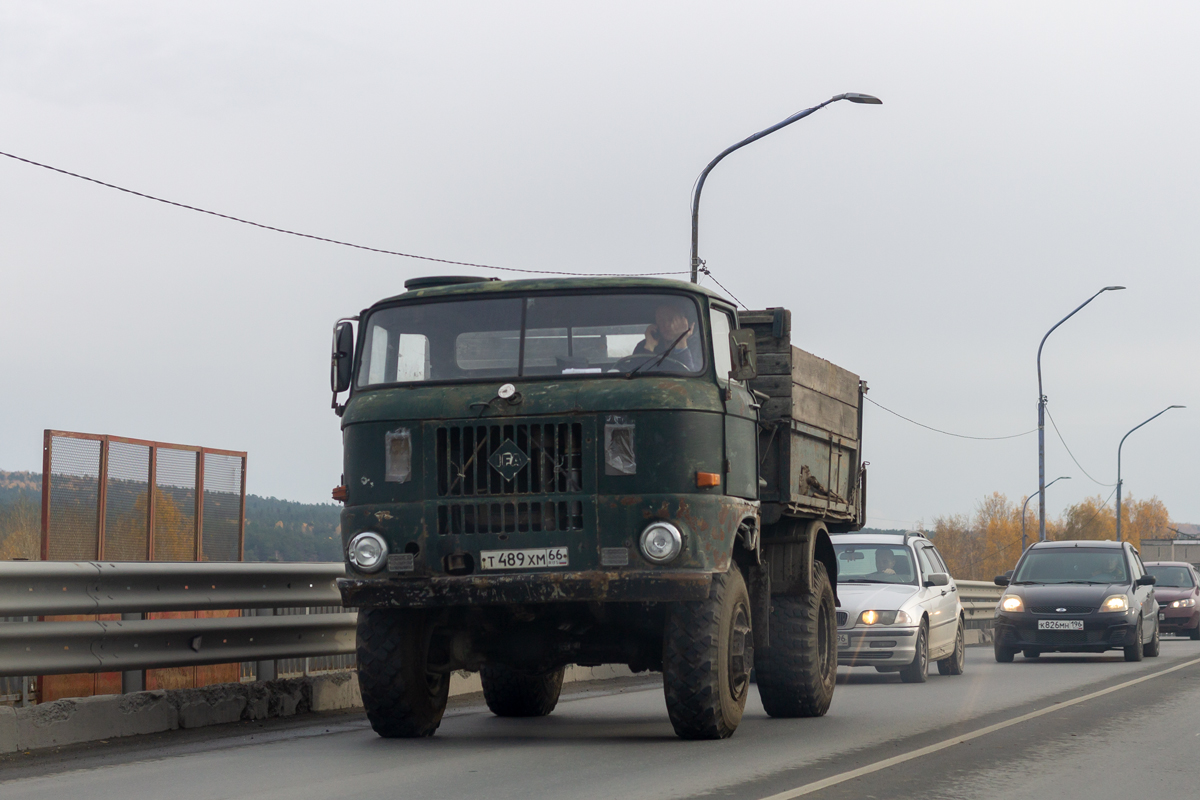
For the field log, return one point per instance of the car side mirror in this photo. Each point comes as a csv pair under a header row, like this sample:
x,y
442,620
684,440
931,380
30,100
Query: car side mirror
x,y
1000,580
342,358
937,579
1147,580
744,355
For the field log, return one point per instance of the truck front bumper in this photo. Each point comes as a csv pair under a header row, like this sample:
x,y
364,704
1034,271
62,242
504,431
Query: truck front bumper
x,y
541,587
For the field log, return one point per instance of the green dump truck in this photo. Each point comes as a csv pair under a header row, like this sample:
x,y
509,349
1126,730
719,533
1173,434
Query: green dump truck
x,y
540,473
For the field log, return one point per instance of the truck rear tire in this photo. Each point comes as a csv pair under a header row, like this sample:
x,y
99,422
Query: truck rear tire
x,y
401,697
511,693
708,652
797,673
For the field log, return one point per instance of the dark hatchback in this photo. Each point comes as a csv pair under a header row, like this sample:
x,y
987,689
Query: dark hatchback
x,y
1077,597
1177,591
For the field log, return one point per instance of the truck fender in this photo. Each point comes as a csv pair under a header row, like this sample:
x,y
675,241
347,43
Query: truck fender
x,y
790,548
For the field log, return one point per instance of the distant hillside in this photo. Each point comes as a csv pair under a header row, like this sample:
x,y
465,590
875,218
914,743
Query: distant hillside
x,y
276,530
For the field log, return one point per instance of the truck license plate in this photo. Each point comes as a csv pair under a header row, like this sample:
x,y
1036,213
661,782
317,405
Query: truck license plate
x,y
843,640
1060,624
523,559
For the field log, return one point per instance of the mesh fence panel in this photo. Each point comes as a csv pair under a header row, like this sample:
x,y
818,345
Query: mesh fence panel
x,y
126,521
75,484
175,505
222,505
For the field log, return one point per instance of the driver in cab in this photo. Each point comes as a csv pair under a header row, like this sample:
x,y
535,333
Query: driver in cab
x,y
670,327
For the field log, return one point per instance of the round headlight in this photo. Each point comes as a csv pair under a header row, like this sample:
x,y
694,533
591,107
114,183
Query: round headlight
x,y
367,552
661,542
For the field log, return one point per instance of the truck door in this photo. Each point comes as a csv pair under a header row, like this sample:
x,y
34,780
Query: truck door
x,y
741,414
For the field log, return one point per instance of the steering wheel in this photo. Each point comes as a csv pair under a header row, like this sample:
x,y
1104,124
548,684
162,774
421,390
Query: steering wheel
x,y
629,362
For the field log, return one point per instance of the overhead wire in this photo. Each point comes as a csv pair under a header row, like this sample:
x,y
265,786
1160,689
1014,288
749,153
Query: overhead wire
x,y
1072,455
328,240
947,433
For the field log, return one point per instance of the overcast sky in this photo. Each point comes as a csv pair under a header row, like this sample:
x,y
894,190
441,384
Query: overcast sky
x,y
1027,154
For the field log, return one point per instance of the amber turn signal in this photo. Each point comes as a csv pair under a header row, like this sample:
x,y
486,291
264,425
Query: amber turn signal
x,y
704,479
340,494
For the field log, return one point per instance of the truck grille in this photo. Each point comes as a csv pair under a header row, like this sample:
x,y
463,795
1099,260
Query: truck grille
x,y
510,517
555,466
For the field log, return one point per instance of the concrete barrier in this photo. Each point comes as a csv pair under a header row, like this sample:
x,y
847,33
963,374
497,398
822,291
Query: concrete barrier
x,y
87,719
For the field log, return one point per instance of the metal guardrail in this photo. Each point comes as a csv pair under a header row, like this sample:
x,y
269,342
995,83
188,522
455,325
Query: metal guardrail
x,y
979,599
47,588
39,589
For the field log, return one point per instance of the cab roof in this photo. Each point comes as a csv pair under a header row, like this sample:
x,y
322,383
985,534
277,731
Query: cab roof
x,y
487,287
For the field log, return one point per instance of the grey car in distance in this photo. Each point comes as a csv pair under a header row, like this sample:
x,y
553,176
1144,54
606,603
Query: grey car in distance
x,y
899,608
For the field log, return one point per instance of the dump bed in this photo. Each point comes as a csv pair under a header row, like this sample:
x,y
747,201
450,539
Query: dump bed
x,y
810,450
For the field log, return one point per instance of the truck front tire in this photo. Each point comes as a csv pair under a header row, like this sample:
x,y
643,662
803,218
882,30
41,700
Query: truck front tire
x,y
708,652
401,697
797,673
511,693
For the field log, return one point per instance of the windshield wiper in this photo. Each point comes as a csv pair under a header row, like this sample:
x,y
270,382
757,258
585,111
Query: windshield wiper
x,y
860,580
660,359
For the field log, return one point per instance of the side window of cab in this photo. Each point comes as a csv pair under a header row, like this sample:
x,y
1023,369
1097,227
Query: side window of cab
x,y
721,324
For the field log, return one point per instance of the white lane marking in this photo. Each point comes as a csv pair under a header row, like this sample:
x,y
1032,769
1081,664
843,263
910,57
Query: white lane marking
x,y
834,780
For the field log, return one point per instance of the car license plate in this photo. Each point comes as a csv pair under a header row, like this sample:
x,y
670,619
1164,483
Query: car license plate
x,y
1060,624
523,559
843,640
1161,616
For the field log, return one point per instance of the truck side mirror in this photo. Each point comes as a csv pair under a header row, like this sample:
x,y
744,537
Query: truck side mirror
x,y
744,355
342,361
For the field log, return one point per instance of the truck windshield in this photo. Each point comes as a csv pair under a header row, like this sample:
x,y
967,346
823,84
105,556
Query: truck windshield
x,y
513,337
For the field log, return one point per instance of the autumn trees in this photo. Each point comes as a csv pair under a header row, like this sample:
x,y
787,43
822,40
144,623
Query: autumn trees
x,y
987,543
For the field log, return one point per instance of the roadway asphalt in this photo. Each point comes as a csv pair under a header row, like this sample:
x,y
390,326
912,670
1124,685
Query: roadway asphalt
x,y
1131,740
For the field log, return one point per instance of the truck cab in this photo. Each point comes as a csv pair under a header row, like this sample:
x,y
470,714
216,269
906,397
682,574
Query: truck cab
x,y
540,473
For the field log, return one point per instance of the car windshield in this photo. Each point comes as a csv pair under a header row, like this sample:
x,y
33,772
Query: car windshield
x,y
1171,577
874,563
513,337
1072,565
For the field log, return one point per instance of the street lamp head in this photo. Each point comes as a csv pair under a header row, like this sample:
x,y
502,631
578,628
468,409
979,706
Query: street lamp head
x,y
1112,288
1177,406
855,97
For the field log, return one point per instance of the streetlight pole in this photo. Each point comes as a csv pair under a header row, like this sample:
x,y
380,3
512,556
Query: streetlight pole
x,y
1042,415
853,97
1122,444
1027,499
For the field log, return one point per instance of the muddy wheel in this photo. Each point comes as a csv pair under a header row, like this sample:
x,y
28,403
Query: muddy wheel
x,y
708,652
956,662
918,670
511,693
1137,650
797,673
402,698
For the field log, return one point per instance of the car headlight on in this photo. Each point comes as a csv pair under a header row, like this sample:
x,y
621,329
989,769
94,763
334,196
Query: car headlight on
x,y
661,542
1187,602
1116,602
873,617
1012,602
367,552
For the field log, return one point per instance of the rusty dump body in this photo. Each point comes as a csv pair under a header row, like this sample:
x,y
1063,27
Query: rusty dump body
x,y
578,460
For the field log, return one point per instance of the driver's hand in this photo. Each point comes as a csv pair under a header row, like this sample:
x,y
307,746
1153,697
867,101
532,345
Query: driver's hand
x,y
652,337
